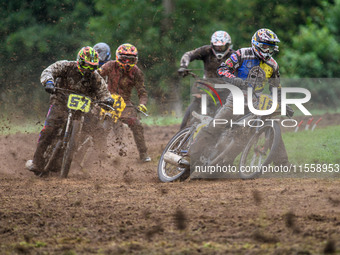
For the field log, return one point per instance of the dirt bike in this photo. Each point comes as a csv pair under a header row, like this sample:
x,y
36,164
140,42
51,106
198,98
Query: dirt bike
x,y
59,154
257,144
103,123
195,103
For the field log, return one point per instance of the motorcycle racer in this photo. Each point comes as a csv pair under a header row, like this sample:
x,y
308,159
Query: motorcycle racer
x,y
212,55
122,76
80,76
255,67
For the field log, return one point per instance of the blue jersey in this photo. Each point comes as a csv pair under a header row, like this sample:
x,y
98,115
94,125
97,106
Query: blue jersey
x,y
246,65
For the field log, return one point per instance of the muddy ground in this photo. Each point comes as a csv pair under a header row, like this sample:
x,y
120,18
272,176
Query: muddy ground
x,y
116,205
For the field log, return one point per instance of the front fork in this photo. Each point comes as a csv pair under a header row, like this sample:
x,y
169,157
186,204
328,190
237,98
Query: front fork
x,y
68,128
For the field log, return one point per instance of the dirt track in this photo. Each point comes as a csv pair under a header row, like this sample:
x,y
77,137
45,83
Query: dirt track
x,y
118,206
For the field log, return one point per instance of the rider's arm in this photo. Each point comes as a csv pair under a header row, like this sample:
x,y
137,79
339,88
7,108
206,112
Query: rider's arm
x,y
102,89
197,54
139,84
104,70
228,68
54,70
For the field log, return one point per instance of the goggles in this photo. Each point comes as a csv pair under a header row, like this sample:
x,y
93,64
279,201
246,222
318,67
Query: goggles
x,y
128,59
88,66
266,47
220,48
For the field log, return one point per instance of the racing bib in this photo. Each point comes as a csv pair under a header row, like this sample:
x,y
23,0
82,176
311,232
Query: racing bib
x,y
79,103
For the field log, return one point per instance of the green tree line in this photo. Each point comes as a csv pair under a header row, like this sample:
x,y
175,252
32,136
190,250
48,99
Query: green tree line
x,y
36,33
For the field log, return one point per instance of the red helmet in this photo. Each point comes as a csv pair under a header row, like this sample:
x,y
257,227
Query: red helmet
x,y
87,60
127,56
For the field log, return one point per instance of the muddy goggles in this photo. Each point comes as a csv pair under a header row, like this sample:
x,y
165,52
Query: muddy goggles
x,y
128,59
221,48
88,66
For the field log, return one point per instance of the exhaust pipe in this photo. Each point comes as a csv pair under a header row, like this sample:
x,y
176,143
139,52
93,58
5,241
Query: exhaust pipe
x,y
174,159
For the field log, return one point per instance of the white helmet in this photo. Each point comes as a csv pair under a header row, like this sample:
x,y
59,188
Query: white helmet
x,y
221,43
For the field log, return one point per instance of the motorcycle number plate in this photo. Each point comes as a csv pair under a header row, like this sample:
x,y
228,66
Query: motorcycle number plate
x,y
79,103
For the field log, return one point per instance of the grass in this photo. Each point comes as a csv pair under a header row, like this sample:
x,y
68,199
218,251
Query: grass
x,y
319,146
8,127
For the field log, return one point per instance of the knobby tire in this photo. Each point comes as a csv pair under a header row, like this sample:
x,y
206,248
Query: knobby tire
x,y
70,149
273,140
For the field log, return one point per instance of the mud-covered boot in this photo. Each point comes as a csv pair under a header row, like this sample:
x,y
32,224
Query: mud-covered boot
x,y
31,166
144,157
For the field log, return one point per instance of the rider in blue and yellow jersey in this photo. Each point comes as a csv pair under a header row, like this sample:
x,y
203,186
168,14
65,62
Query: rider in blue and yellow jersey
x,y
250,67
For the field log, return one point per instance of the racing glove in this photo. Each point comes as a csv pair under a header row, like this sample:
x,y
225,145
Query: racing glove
x,y
142,108
49,87
108,101
182,71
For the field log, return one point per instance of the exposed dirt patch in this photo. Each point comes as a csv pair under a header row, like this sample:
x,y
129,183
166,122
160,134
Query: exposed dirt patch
x,y
116,205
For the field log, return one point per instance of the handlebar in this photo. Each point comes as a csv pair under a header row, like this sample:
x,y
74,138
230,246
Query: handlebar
x,y
189,72
136,108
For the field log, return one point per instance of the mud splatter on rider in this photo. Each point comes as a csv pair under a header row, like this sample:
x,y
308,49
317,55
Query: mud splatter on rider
x,y
122,76
80,76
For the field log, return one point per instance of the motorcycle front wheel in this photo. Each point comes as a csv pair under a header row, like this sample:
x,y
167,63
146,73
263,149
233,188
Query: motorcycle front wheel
x,y
70,149
260,150
178,145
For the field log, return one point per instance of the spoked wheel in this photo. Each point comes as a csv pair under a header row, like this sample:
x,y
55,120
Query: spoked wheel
x,y
260,150
178,145
70,149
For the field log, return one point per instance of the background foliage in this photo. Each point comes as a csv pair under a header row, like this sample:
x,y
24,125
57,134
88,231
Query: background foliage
x,y
37,33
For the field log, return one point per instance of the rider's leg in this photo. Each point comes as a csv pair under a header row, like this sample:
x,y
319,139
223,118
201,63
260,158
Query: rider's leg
x,y
138,135
55,118
209,134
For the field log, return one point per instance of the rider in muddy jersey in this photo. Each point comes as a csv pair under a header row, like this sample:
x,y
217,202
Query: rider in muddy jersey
x,y
79,76
210,61
123,75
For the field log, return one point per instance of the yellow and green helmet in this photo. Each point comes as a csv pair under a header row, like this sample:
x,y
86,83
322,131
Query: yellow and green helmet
x,y
87,60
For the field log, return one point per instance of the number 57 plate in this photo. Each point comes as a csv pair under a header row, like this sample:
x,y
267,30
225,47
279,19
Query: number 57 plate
x,y
78,102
